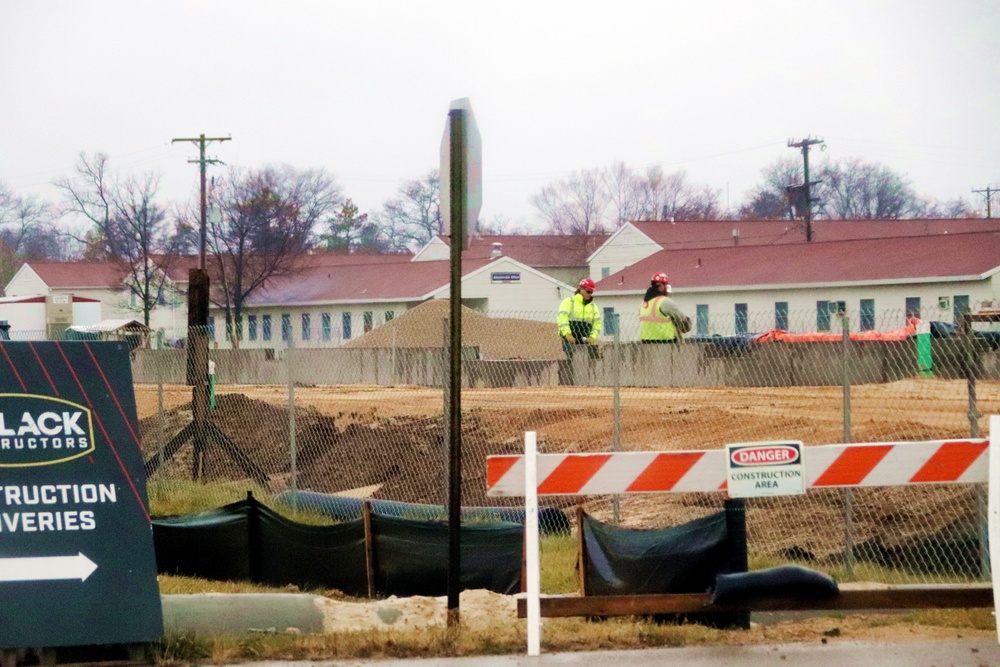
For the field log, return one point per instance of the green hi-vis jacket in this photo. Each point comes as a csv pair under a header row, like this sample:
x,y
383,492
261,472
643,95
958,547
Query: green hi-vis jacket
x,y
656,319
582,320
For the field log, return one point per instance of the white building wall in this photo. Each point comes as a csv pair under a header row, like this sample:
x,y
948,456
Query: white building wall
x,y
375,313
626,248
568,275
86,313
534,295
112,302
26,283
436,249
889,305
26,320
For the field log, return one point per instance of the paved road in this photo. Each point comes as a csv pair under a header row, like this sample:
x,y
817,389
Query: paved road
x,y
835,654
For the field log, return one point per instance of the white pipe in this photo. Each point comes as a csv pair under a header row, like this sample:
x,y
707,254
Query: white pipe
x,y
993,512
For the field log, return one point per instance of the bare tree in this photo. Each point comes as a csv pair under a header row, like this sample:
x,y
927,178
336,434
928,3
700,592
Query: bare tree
x,y
129,228
604,199
576,205
854,189
678,199
769,199
26,231
413,217
498,225
846,189
266,221
928,207
630,195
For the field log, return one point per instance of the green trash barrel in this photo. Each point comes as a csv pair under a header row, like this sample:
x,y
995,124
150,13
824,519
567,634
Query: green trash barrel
x,y
925,363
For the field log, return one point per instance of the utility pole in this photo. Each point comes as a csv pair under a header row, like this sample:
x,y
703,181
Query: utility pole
x,y
804,145
202,140
197,343
989,192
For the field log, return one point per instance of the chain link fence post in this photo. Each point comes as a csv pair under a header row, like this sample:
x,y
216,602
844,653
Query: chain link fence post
x,y
292,431
848,493
445,410
616,425
969,363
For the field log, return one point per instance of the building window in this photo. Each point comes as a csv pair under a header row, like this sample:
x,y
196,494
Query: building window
x,y
286,328
306,326
325,326
741,318
822,316
605,271
389,315
960,306
867,313
781,315
912,307
610,321
369,320
345,325
252,327
701,319
265,327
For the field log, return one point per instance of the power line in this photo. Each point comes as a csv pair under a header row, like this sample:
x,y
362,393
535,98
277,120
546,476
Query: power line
x,y
201,141
989,192
804,145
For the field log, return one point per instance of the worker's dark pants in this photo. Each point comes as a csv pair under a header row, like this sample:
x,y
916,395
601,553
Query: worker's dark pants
x,y
568,348
566,372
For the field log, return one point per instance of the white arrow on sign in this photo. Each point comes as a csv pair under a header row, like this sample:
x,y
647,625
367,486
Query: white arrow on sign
x,y
46,568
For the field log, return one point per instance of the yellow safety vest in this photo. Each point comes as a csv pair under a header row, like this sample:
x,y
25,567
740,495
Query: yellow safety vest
x,y
581,319
654,325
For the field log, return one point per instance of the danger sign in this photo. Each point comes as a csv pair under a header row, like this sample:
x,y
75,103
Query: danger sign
x,y
755,469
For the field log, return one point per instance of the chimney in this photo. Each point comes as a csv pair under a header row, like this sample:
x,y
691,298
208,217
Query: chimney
x,y
497,250
736,236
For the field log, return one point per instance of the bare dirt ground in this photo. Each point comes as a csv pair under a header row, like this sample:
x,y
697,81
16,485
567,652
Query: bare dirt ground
x,y
349,437
482,610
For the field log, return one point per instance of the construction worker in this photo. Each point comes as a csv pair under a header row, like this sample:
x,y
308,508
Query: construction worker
x,y
660,318
579,319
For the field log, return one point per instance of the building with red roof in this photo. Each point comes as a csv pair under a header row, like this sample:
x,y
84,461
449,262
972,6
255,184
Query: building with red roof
x,y
731,277
876,281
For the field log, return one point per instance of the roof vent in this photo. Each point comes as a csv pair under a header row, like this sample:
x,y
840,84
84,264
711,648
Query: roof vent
x,y
497,250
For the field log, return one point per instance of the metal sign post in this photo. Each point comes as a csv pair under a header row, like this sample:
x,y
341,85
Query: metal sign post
x,y
461,197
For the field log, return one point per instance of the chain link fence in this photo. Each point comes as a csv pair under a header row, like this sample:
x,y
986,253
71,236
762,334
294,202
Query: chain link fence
x,y
322,424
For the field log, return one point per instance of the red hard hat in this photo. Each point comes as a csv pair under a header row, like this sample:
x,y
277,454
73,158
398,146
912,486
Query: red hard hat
x,y
661,278
587,284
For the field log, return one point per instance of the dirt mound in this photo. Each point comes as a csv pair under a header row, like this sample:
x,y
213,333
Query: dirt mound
x,y
496,338
406,455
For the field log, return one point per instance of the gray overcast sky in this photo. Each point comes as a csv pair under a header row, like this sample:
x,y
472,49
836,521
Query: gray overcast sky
x,y
362,88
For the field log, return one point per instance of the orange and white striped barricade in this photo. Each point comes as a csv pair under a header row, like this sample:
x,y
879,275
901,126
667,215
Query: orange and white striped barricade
x,y
954,461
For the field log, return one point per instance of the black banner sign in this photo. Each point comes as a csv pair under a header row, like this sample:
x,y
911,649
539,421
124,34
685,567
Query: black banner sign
x,y
77,565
